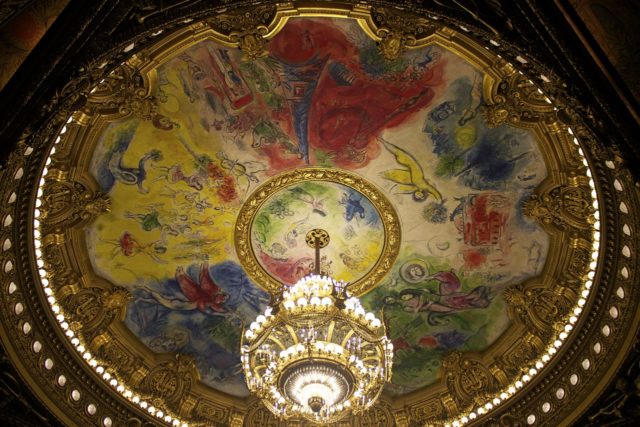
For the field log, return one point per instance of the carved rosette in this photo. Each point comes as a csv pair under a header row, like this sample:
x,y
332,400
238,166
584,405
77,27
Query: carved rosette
x,y
246,29
517,101
469,382
398,31
565,207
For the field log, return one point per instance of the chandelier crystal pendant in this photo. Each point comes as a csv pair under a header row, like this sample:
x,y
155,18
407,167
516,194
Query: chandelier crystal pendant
x,y
315,353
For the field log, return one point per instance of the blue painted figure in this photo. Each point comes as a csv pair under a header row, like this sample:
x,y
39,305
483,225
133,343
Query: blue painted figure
x,y
352,205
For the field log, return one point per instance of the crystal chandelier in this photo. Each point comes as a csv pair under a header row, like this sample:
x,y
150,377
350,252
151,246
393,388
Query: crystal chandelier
x,y
315,353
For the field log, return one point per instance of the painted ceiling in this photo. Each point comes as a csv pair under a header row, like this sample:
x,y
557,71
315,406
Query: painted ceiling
x,y
474,200
409,132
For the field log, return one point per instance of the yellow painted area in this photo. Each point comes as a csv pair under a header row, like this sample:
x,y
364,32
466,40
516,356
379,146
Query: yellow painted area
x,y
207,233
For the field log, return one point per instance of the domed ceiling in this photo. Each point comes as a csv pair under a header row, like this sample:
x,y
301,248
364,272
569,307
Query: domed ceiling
x,y
176,202
324,100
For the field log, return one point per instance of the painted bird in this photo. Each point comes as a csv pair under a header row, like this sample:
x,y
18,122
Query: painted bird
x,y
410,180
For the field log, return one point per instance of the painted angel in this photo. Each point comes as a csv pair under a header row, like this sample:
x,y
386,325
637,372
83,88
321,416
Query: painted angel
x,y
410,179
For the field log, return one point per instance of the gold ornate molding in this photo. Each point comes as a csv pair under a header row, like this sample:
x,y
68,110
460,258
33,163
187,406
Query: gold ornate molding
x,y
517,101
258,415
169,382
124,92
542,310
380,415
246,29
92,310
563,207
444,401
70,203
388,215
520,354
397,31
468,380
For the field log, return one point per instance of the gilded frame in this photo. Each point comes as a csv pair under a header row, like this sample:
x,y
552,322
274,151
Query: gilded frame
x,y
608,168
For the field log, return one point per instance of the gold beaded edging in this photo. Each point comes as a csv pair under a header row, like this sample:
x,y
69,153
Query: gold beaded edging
x,y
246,216
584,294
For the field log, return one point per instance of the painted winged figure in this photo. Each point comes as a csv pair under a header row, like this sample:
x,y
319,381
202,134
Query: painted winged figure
x,y
411,179
448,299
317,205
205,295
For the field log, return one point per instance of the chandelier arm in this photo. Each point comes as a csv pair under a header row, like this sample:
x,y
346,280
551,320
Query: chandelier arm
x,y
364,359
261,339
346,338
363,330
292,332
290,321
332,327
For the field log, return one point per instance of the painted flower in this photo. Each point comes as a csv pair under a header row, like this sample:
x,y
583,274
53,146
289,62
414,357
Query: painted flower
x,y
435,212
214,171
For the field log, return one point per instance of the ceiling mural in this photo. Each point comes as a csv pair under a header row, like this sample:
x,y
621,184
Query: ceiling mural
x,y
280,226
323,98
176,190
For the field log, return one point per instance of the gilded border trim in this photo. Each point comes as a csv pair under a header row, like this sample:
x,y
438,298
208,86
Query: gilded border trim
x,y
248,211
